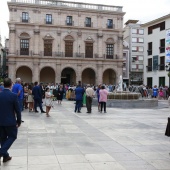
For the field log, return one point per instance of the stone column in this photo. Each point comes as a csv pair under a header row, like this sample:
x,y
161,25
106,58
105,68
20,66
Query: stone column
x,y
99,74
79,73
36,41
58,73
12,41
120,46
36,73
12,71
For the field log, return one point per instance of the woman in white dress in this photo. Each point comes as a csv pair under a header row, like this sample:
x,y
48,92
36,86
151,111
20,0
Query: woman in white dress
x,y
48,101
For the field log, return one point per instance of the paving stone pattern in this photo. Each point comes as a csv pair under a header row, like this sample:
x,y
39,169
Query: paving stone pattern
x,y
121,139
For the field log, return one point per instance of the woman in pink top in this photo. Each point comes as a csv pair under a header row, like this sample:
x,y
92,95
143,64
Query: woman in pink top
x,y
103,98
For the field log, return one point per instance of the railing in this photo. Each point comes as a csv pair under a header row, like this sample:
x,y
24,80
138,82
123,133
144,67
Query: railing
x,y
149,52
68,4
25,20
69,23
65,55
162,67
110,26
162,49
106,56
88,24
24,53
48,22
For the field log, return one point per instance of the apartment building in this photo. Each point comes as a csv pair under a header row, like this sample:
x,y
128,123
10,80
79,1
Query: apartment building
x,y
60,41
134,36
157,43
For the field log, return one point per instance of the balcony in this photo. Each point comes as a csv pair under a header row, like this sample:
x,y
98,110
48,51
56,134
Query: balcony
x,y
69,23
162,67
110,26
149,68
149,52
48,22
88,24
76,5
24,20
106,56
24,53
161,49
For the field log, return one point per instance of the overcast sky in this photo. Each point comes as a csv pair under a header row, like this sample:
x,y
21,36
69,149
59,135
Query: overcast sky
x,y
142,10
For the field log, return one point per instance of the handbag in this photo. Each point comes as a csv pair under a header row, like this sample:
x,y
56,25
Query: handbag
x,y
167,132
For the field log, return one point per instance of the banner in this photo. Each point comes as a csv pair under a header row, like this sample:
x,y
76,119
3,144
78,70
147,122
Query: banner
x,y
155,62
167,46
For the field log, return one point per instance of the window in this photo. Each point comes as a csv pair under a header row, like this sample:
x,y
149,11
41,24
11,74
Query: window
x,y
149,48
68,49
47,47
134,31
69,20
141,31
134,39
162,46
89,50
162,63
161,81
24,47
150,64
134,58
109,23
149,82
48,19
109,51
140,40
134,49
140,58
140,49
140,67
25,17
88,22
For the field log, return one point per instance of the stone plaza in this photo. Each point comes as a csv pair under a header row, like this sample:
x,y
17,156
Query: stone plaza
x,y
121,139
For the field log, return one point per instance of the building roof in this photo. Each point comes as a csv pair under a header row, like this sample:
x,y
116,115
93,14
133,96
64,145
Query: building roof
x,y
131,21
156,20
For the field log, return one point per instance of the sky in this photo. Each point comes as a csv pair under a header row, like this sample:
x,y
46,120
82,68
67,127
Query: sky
x,y
142,10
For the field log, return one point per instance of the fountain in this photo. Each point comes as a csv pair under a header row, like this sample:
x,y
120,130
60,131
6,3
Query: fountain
x,y
126,99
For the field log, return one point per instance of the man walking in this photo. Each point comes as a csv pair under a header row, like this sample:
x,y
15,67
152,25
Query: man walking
x,y
18,89
79,91
89,98
10,119
36,92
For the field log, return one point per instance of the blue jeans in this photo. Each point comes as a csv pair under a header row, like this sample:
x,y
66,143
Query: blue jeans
x,y
8,135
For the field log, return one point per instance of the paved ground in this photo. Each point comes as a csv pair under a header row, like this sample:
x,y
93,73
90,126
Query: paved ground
x,y
121,139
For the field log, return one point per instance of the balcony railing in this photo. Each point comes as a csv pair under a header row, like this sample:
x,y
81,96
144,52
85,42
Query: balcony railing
x,y
25,20
68,4
106,56
48,22
149,52
24,53
69,23
162,67
110,26
88,24
149,68
162,49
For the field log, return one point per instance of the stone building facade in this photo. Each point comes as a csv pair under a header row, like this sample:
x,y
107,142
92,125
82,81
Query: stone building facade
x,y
59,41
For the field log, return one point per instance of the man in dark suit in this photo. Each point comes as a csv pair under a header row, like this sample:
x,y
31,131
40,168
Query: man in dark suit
x,y
79,91
36,92
10,119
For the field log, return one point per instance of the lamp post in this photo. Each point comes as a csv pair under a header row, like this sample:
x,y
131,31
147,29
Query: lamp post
x,y
168,69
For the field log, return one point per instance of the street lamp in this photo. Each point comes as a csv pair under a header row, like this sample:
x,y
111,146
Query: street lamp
x,y
168,69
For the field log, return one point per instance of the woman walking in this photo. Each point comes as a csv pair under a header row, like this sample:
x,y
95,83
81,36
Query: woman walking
x,y
103,98
98,96
48,101
60,94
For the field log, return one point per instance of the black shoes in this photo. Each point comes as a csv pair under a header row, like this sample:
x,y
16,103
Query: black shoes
x,y
88,112
43,111
7,159
36,111
78,112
